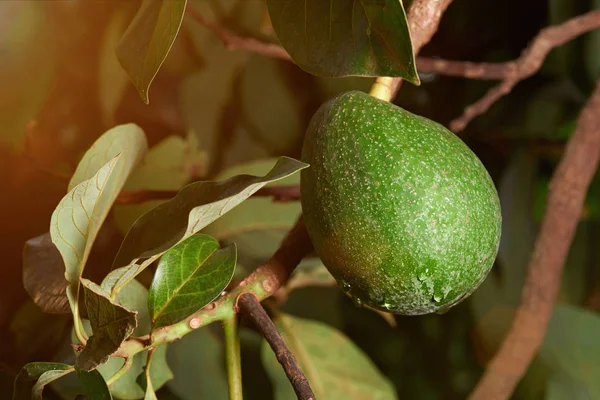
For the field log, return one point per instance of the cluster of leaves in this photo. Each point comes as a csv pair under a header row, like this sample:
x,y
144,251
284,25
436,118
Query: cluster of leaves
x,y
429,357
193,268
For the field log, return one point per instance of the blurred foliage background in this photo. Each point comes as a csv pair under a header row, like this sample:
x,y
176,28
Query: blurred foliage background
x,y
214,113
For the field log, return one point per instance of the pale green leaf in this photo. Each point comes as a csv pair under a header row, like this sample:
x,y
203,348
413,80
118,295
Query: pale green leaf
x,y
46,378
194,207
134,297
188,277
198,377
111,325
126,388
335,367
148,39
32,378
346,37
572,351
94,187
169,165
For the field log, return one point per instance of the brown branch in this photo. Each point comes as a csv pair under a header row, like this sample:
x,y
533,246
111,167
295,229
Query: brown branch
x,y
423,20
251,307
280,194
425,65
465,69
530,62
566,198
235,42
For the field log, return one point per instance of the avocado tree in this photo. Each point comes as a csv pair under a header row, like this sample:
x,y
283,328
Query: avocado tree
x,y
371,202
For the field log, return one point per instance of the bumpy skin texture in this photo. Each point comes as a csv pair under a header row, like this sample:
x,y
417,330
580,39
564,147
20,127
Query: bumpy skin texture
x,y
400,210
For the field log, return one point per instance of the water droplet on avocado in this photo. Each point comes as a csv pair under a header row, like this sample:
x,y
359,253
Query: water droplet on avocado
x,y
345,285
357,302
443,310
423,275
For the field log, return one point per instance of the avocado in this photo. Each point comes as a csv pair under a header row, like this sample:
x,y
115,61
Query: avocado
x,y
402,213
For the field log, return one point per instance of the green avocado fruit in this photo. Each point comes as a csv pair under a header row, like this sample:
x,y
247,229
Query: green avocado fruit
x,y
402,213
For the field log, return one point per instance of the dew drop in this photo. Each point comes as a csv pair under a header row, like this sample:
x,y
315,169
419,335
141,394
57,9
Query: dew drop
x,y
357,302
345,285
423,275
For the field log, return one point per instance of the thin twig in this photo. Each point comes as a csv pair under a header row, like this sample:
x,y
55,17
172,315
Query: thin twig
x,y
566,198
530,62
251,307
235,42
423,20
464,69
280,194
234,367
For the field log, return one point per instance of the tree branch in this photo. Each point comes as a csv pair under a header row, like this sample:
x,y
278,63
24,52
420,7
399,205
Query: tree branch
x,y
423,20
566,199
279,194
251,307
424,64
529,63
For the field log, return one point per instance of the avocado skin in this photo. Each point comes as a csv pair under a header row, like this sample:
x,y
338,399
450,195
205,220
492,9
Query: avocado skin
x,y
402,213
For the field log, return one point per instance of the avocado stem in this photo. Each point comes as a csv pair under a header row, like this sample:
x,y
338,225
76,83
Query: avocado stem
x,y
382,88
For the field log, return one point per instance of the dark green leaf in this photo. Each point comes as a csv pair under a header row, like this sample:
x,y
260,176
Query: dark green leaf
x,y
148,39
198,377
94,385
111,325
32,378
335,367
571,350
44,275
346,37
37,334
188,277
194,207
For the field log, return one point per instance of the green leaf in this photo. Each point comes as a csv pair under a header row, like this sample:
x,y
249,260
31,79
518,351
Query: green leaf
x,y
152,378
134,297
44,275
335,367
258,225
126,139
148,39
126,388
32,378
561,386
188,277
198,377
346,37
94,187
111,325
94,385
571,350
37,334
169,165
194,207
